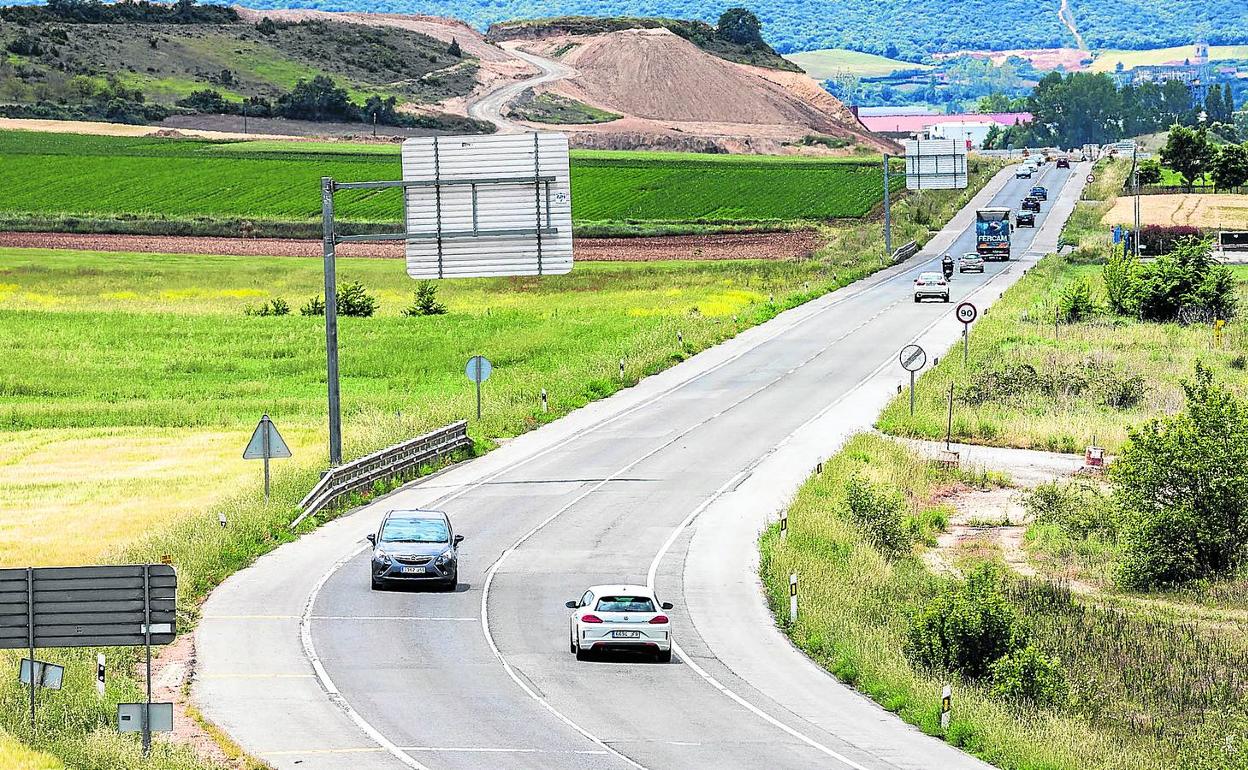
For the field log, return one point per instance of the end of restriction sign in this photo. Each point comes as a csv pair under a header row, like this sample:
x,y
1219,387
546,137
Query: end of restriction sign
x,y
912,358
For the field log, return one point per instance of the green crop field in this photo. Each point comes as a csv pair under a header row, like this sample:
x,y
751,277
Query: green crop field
x,y
267,181
830,62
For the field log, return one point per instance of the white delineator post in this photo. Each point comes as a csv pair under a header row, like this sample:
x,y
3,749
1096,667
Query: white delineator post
x,y
793,597
99,674
946,706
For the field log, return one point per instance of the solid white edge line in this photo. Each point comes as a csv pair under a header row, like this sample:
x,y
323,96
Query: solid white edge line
x,y
335,697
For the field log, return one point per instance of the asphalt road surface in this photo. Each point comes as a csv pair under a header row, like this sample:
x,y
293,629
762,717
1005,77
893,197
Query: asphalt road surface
x,y
307,667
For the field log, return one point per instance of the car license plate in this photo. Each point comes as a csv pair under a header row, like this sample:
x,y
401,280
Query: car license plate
x,y
413,570
626,634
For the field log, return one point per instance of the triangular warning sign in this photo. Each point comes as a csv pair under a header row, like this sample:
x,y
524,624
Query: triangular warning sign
x,y
255,447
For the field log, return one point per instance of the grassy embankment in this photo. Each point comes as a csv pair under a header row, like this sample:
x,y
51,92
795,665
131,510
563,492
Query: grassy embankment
x,y
1145,691
270,188
551,108
165,377
1032,383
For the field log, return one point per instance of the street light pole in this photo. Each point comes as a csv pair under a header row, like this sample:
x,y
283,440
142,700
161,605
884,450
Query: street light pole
x,y
1135,180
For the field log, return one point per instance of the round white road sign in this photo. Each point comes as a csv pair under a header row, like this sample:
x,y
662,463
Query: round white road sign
x,y
913,358
967,313
1091,179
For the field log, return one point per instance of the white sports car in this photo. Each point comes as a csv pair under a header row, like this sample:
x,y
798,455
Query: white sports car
x,y
620,618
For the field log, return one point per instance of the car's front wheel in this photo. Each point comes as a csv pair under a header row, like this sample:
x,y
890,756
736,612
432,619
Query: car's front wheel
x,y
946,298
377,584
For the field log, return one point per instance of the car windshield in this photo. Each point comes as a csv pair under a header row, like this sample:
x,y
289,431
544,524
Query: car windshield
x,y
625,604
970,256
930,276
406,530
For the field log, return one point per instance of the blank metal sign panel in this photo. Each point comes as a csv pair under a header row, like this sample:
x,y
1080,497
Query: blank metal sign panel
x,y
480,206
87,606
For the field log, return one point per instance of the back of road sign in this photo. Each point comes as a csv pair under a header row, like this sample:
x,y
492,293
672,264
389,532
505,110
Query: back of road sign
x,y
480,206
255,447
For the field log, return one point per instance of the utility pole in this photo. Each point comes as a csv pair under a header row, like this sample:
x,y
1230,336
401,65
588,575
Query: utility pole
x,y
888,215
331,321
1135,182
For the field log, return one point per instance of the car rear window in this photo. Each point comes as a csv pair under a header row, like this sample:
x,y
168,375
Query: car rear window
x,y
625,604
930,276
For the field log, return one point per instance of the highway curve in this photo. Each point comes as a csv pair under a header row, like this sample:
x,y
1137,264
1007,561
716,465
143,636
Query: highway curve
x,y
307,668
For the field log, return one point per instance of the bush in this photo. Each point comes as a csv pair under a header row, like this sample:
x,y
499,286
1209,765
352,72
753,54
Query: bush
x,y
25,44
1078,301
966,628
1184,285
1119,274
877,511
266,27
425,302
355,301
1181,488
1077,507
1027,676
206,100
1156,240
275,306
1149,172
314,306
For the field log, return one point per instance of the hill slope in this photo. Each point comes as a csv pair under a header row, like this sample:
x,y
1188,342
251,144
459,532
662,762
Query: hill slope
x,y
915,27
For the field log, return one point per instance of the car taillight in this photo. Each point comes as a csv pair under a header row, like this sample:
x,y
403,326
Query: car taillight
x,y
590,619
919,283
658,619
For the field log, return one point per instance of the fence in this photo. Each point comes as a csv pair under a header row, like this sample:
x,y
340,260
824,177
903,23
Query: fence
x,y
906,252
384,464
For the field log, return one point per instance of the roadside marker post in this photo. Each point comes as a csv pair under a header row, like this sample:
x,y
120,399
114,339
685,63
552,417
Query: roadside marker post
x,y
478,370
912,359
784,525
946,706
792,598
265,444
949,424
99,674
621,369
545,406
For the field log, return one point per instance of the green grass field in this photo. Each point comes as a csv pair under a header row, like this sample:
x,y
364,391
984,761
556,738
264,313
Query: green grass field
x,y
1079,360
830,62
1147,690
194,181
1107,61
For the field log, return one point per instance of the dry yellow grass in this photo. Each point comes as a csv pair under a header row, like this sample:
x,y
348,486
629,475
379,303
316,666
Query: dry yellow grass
x,y
1199,210
116,129
74,495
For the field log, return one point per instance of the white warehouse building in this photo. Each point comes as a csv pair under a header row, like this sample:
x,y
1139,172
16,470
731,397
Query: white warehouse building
x,y
964,130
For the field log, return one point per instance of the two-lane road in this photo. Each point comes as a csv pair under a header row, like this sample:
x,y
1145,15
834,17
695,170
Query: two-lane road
x,y
482,677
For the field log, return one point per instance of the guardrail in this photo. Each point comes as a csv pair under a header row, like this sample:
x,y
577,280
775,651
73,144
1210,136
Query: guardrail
x,y
386,463
906,252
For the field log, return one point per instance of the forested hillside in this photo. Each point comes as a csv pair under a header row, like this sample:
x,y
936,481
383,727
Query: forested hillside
x,y
908,28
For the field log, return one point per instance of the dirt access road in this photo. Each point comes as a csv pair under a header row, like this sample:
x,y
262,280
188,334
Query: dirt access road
x,y
794,245
490,105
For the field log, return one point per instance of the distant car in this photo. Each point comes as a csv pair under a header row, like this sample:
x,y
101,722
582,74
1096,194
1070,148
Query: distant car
x,y
1024,171
1031,204
970,262
1025,219
1063,162
622,618
1040,193
415,547
931,285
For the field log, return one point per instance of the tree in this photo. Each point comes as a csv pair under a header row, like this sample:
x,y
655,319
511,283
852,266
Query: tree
x,y
740,26
455,50
425,302
317,99
1176,103
1230,166
1080,108
1188,152
1181,486
267,26
1149,172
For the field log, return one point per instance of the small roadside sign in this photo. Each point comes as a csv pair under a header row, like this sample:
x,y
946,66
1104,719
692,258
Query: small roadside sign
x,y
967,313
266,443
47,675
1091,179
913,358
478,370
130,717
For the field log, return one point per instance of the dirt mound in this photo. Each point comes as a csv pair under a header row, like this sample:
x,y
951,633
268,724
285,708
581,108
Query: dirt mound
x,y
658,77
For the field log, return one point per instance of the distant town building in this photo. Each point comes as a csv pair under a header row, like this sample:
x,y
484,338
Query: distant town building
x,y
1193,71
967,125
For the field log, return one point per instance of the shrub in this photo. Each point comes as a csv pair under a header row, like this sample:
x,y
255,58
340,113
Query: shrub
x,y
275,306
1156,240
266,26
1185,284
1077,507
314,306
455,50
206,100
1119,274
1181,488
966,628
877,511
25,44
1078,301
1149,172
425,302
1027,676
354,300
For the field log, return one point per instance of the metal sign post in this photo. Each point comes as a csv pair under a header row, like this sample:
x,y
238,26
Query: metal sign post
x,y
949,424
265,444
912,359
147,643
478,370
331,321
888,215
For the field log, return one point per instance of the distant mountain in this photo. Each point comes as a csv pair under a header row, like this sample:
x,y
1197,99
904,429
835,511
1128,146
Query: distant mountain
x,y
897,28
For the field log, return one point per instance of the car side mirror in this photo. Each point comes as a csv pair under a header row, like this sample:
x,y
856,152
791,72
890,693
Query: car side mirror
x,y
372,538
666,605
571,604
459,539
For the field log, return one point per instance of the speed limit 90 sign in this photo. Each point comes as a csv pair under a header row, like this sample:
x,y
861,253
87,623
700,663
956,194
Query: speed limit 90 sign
x,y
967,313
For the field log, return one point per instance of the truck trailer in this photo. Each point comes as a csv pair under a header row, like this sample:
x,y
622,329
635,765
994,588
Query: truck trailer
x,y
992,233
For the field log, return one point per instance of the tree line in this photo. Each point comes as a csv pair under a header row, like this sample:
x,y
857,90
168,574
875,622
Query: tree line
x,y
1090,108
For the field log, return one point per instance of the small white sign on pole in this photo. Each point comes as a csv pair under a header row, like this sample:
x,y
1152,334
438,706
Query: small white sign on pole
x,y
493,205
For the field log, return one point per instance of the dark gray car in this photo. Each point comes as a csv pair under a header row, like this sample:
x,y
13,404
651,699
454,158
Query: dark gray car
x,y
415,547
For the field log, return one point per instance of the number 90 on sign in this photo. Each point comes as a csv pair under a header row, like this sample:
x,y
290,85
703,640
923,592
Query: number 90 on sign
x,y
967,313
